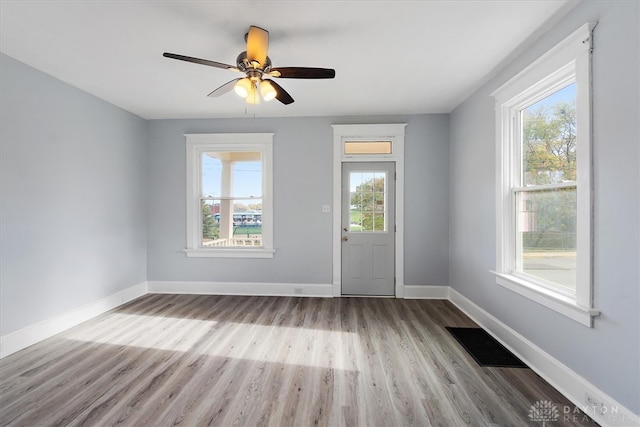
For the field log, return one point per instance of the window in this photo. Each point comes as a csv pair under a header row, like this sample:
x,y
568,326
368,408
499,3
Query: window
x,y
543,212
229,201
367,147
545,189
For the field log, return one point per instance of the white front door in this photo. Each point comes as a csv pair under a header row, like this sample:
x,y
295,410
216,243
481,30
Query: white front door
x,y
368,228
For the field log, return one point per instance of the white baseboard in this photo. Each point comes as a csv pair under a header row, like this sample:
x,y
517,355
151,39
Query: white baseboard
x,y
566,381
22,338
241,288
426,292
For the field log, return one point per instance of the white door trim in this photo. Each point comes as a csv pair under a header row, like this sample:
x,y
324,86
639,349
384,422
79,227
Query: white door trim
x,y
373,132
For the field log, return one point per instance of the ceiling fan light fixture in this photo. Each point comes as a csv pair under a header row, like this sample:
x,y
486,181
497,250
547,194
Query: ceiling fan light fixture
x,y
253,97
267,90
243,87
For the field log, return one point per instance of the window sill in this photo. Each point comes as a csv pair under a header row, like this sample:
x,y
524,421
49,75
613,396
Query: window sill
x,y
230,253
553,301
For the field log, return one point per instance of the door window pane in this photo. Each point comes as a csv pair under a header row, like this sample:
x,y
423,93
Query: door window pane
x,y
368,204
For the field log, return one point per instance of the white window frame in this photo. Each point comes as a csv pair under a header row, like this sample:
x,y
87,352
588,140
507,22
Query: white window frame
x,y
197,145
568,61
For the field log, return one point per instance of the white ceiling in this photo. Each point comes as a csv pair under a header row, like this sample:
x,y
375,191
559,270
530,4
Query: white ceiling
x,y
390,57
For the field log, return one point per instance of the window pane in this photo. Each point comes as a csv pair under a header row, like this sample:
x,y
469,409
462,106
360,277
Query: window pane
x,y
546,237
378,221
210,221
232,222
232,174
247,179
549,139
367,201
211,176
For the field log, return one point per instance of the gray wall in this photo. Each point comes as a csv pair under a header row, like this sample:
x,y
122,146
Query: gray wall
x,y
73,197
303,162
93,199
607,355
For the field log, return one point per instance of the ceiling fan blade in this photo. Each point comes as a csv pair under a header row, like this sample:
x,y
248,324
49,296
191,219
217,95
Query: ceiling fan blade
x,y
257,45
281,94
227,87
303,73
199,61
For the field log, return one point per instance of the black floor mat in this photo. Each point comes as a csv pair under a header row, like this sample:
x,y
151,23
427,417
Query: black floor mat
x,y
484,348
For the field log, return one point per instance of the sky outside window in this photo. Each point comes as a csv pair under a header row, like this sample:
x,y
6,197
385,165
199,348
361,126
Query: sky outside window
x,y
247,178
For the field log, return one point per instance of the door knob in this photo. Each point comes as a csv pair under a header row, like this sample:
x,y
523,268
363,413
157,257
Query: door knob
x,y
345,238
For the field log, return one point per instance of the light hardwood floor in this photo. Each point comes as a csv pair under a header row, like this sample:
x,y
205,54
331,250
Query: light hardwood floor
x,y
267,361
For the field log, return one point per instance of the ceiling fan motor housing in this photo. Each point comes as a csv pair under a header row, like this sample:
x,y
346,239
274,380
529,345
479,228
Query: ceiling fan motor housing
x,y
247,66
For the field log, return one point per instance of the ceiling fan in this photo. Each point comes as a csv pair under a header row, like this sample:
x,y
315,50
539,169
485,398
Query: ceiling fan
x,y
256,65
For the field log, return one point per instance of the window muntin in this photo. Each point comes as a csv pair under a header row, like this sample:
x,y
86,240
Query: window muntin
x,y
229,188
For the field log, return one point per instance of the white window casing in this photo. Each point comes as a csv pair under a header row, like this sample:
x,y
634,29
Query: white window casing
x,y
567,62
196,146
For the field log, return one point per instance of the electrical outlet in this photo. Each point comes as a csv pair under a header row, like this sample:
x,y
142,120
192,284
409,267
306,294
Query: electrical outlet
x,y
297,291
594,404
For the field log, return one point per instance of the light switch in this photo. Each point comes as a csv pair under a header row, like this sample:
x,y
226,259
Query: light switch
x,y
326,208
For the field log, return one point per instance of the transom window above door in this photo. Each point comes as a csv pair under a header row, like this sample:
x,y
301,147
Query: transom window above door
x,y
367,147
